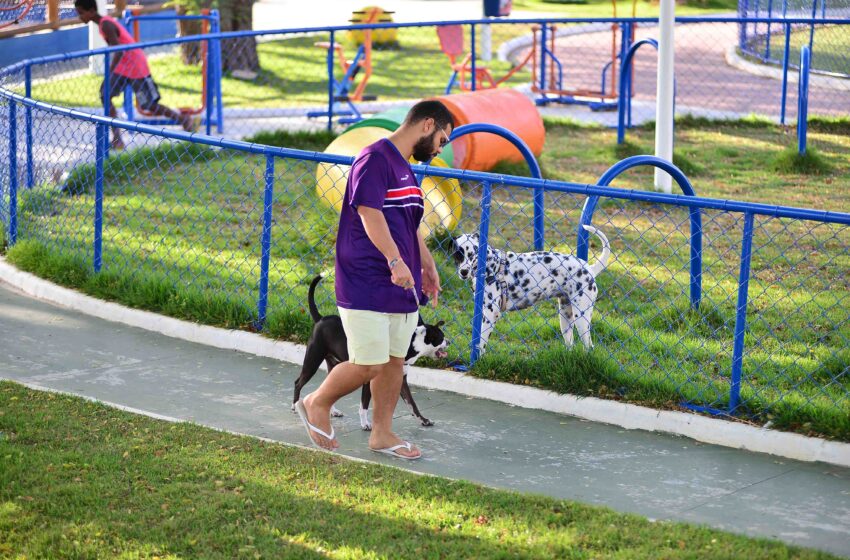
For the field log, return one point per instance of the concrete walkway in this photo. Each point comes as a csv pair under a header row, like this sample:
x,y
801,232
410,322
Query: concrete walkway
x,y
660,476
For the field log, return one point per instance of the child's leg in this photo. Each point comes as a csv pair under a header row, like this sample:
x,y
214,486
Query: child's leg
x,y
114,87
182,118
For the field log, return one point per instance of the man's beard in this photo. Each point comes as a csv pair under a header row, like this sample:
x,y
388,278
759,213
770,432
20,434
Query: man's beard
x,y
423,150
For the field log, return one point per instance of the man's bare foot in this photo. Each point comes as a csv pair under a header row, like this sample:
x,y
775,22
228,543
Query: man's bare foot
x,y
321,419
117,143
391,444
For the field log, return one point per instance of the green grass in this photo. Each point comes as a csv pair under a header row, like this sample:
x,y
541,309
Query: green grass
x,y
183,225
791,160
830,47
81,480
294,73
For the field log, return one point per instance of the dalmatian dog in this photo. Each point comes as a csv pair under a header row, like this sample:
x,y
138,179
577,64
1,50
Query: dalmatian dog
x,y
518,280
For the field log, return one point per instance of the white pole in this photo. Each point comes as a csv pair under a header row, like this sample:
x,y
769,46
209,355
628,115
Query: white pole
x,y
486,43
664,95
96,41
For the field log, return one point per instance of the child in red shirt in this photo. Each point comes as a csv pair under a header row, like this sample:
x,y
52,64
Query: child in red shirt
x,y
127,68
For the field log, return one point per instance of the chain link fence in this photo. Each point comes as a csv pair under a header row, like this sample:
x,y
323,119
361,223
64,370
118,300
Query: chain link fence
x,y
764,40
231,233
264,80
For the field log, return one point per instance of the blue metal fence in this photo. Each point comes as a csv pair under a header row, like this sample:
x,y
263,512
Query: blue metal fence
x,y
734,307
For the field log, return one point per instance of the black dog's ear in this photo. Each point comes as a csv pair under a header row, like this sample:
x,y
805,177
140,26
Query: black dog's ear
x,y
420,322
440,323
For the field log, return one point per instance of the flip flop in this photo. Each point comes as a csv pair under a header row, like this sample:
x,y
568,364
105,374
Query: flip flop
x,y
393,451
302,413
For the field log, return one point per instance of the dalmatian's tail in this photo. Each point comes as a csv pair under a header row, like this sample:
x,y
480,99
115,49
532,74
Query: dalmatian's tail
x,y
600,265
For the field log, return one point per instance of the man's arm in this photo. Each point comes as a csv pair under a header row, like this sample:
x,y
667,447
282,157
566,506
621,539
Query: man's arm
x,y
378,232
110,34
430,276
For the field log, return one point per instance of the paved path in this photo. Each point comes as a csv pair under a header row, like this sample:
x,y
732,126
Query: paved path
x,y
658,476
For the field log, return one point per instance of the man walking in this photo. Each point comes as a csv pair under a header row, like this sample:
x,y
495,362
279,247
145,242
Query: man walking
x,y
383,271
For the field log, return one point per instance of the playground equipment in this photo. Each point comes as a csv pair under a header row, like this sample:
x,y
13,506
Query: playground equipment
x,y
391,119
380,37
548,70
344,90
14,14
503,107
451,43
443,201
210,69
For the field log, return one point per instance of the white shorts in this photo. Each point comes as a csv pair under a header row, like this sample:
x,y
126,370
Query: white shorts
x,y
373,337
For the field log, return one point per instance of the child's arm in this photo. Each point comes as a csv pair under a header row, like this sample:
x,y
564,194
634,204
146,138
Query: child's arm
x,y
110,34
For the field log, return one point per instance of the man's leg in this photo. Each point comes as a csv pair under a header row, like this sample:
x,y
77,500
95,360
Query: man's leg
x,y
386,388
342,380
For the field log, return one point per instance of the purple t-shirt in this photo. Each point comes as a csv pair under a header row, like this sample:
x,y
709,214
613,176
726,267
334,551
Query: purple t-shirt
x,y
379,178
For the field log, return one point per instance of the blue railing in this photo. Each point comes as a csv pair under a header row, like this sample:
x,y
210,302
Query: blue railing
x,y
536,186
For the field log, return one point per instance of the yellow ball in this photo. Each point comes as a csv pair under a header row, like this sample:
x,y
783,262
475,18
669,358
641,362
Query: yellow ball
x,y
443,198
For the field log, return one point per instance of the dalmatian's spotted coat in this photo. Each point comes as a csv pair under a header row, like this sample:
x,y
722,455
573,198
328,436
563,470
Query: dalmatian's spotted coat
x,y
518,280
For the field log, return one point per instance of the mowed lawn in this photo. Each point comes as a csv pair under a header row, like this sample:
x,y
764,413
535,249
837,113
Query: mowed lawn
x,y
81,480
183,225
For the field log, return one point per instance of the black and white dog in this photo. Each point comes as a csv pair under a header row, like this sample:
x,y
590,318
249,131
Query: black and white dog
x,y
328,343
518,280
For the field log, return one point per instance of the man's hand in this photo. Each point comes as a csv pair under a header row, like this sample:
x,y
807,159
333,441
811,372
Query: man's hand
x,y
431,282
401,275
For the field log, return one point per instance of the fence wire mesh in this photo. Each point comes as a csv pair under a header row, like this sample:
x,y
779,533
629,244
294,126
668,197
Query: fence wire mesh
x,y
184,221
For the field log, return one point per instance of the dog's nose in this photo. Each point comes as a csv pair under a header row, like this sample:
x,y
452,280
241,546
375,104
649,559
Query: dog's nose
x,y
463,273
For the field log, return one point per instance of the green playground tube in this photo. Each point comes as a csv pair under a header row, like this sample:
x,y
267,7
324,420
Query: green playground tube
x,y
391,119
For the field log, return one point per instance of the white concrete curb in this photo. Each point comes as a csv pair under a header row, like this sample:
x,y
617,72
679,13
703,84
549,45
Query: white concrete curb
x,y
735,60
629,416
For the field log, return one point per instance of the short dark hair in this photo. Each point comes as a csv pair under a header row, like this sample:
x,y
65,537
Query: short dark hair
x,y
430,109
86,5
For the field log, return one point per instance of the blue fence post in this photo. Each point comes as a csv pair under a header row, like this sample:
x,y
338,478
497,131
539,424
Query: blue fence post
x,y
803,99
216,47
209,94
624,97
474,56
480,272
101,144
28,133
741,313
106,100
330,63
767,38
812,24
265,243
13,172
543,57
786,57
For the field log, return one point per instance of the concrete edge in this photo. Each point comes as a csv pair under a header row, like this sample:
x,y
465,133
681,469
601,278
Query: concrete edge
x,y
735,60
633,417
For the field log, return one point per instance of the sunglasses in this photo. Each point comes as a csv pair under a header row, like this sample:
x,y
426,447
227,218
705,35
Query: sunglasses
x,y
442,144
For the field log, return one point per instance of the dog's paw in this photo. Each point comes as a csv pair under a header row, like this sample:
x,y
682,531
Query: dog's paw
x,y
365,425
336,413
426,422
292,408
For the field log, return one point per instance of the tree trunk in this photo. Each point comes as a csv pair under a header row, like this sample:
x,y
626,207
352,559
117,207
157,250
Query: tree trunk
x,y
239,53
190,53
